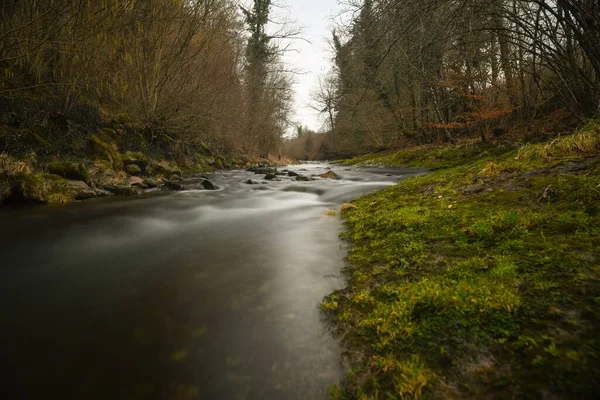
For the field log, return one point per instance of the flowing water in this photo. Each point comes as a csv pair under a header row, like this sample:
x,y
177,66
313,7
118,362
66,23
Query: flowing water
x,y
196,294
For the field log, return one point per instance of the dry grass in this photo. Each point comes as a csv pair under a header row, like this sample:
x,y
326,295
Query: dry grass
x,y
491,169
584,141
11,166
331,213
102,174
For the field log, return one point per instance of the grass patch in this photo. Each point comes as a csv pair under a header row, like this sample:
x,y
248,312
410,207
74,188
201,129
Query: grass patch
x,y
481,279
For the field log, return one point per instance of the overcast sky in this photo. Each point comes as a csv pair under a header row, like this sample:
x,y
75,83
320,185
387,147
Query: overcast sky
x,y
314,58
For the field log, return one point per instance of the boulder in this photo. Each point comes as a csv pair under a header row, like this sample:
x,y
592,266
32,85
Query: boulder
x,y
123,190
103,166
270,176
105,151
264,170
165,168
80,190
302,178
28,188
330,175
208,185
70,170
292,173
137,181
175,178
151,183
133,169
170,185
102,193
252,182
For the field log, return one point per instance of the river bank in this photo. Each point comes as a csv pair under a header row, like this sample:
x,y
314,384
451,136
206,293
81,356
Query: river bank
x,y
479,280
106,167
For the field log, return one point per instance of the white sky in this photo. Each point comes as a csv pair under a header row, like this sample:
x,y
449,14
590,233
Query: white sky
x,y
312,55
315,18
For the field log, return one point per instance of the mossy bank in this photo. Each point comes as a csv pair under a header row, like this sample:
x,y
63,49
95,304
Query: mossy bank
x,y
113,160
479,280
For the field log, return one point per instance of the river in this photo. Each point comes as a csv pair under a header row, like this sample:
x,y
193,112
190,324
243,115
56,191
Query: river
x,y
195,294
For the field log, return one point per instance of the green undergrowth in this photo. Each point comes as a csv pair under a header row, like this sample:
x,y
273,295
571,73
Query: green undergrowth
x,y
479,280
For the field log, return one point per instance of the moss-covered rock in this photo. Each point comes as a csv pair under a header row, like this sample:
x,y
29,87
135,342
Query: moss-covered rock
x,y
133,169
70,170
103,166
113,135
36,189
205,150
164,168
81,191
105,151
135,158
123,190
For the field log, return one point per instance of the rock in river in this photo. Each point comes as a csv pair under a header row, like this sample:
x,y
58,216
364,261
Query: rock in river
x,y
170,185
263,170
208,185
330,175
292,173
252,182
270,176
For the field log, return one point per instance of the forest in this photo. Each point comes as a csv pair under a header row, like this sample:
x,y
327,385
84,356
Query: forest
x,y
174,81
416,72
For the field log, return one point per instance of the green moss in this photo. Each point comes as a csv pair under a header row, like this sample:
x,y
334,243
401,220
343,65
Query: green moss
x,y
133,169
205,149
483,274
39,188
103,165
135,158
104,151
165,168
69,170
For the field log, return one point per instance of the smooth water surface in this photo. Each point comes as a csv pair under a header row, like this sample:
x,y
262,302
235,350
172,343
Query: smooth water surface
x,y
197,294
